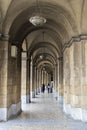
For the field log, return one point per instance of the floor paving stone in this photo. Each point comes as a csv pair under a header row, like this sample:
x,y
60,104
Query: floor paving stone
x,y
44,113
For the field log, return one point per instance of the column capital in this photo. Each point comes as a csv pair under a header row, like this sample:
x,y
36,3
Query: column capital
x,y
60,59
56,64
34,66
4,37
28,59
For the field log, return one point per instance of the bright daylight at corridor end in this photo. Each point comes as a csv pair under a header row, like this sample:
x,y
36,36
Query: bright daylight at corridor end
x,y
43,64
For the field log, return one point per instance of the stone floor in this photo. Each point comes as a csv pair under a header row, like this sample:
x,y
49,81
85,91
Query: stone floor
x,y
44,113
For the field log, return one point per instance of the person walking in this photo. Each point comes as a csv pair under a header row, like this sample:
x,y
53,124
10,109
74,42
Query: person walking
x,y
42,88
48,87
51,88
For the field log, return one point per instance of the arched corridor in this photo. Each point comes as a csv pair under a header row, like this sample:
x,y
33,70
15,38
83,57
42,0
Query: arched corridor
x,y
43,42
44,113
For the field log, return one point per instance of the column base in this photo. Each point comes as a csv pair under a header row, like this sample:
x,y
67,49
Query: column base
x,y
32,94
38,90
75,113
57,97
3,114
67,108
13,110
84,115
25,99
60,99
55,94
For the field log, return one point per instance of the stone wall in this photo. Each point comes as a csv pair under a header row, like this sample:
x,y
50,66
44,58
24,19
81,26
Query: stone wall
x,y
10,82
75,80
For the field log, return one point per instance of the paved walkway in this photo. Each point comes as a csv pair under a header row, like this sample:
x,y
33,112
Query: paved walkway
x,y
44,113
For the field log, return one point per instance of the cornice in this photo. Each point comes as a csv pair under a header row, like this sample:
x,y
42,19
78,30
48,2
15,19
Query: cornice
x,y
74,39
4,37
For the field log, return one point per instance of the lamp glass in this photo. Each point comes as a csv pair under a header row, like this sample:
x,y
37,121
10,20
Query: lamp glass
x,y
37,20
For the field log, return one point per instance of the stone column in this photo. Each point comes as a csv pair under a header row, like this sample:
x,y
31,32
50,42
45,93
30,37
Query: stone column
x,y
56,81
15,75
49,78
42,77
60,71
3,80
75,60
46,78
84,80
37,81
35,78
40,80
28,79
24,86
72,81
32,92
75,80
66,79
10,81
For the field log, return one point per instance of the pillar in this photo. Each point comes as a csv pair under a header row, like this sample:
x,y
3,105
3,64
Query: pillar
x,y
14,75
32,91
35,78
75,69
4,104
42,76
10,81
60,78
84,80
24,85
39,72
66,79
28,79
75,81
56,81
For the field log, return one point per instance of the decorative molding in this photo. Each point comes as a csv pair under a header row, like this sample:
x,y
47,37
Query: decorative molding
x,y
13,110
4,37
32,94
60,59
28,59
25,99
3,114
74,39
0,35
75,113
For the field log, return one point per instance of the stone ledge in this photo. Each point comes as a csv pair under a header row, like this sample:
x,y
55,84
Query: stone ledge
x,y
13,110
32,94
74,39
75,113
25,99
3,114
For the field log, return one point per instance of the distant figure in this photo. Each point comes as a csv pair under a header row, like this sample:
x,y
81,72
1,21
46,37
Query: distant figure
x,y
48,87
51,88
42,88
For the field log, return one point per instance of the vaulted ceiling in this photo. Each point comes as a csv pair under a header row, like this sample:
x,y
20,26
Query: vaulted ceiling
x,y
65,19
